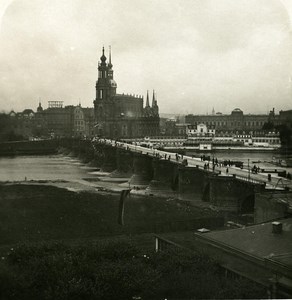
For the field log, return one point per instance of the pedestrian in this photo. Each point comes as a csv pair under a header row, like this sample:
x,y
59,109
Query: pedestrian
x,y
227,170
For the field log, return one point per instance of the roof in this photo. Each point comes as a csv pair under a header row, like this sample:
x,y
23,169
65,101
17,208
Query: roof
x,y
28,111
257,240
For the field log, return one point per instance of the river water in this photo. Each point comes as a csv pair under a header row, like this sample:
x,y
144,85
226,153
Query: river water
x,y
58,170
64,168
55,167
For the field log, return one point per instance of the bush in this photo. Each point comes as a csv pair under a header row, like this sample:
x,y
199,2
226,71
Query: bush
x,y
113,270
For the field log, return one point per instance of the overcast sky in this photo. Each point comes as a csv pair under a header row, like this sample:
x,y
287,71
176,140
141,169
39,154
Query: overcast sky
x,y
196,54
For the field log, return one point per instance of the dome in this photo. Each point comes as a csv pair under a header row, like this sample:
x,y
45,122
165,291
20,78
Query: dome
x,y
237,110
112,83
103,57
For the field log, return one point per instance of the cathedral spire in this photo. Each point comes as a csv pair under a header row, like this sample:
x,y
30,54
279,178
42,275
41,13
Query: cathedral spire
x,y
147,100
153,99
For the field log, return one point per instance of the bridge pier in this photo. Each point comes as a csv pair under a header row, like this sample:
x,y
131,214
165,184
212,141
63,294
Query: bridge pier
x,y
143,172
124,163
193,184
165,177
109,161
231,194
86,151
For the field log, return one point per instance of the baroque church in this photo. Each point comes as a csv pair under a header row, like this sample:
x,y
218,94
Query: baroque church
x,y
121,115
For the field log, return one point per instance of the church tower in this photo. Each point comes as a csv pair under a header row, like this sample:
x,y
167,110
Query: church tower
x,y
121,115
105,85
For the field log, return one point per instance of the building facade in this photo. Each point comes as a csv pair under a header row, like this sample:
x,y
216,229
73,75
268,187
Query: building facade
x,y
236,121
121,115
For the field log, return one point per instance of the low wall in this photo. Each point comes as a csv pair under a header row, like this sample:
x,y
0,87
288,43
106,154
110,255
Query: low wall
x,y
29,147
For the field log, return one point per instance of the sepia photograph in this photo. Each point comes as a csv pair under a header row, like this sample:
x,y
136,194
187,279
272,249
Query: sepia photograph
x,y
145,149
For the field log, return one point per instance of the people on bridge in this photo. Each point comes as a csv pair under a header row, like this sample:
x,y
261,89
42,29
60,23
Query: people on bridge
x,y
255,169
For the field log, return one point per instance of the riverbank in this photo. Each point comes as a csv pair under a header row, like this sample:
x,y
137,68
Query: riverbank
x,y
33,213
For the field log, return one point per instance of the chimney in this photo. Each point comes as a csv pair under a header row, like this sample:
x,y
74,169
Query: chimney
x,y
277,227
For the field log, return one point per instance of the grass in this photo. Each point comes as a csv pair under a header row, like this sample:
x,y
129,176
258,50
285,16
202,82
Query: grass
x,y
37,213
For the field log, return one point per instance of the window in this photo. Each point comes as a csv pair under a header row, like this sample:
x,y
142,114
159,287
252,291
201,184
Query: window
x,y
100,94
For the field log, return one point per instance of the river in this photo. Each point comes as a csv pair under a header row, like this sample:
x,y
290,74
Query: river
x,y
56,168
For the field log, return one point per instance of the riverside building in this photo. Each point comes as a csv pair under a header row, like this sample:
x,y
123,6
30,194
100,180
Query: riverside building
x,y
236,121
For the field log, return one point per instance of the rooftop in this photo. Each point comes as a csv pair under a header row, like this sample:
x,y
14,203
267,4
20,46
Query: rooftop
x,y
257,240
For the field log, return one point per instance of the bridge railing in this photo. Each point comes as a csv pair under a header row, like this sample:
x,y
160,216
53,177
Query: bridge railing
x,y
191,161
249,179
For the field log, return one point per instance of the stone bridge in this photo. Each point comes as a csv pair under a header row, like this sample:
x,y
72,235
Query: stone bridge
x,y
186,178
167,174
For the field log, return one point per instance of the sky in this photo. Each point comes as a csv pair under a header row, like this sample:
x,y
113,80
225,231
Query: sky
x,y
196,54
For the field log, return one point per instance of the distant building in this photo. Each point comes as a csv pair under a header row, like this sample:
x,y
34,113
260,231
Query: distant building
x,y
285,117
121,115
68,121
83,119
234,122
200,130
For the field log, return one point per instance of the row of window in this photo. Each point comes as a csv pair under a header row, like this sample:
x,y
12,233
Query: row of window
x,y
102,74
79,122
271,141
230,123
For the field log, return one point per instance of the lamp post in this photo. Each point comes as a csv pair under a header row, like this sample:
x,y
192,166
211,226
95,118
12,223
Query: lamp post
x,y
248,169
